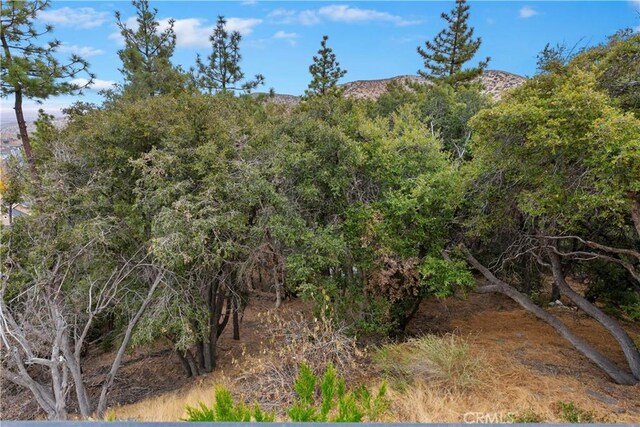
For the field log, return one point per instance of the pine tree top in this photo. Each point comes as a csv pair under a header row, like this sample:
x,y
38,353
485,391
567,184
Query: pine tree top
x,y
325,71
454,46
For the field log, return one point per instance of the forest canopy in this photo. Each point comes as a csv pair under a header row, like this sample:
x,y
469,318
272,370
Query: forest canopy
x,y
157,213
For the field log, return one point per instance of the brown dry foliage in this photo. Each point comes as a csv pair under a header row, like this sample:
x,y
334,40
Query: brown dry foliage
x,y
269,379
395,279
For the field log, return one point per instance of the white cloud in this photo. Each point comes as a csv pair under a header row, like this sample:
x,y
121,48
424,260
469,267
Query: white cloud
x,y
283,16
83,51
82,17
96,85
344,13
636,29
242,25
193,32
283,35
190,32
336,13
635,4
527,12
308,17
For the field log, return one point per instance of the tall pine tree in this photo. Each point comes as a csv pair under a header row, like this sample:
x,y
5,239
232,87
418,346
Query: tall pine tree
x,y
222,72
28,68
146,57
325,71
451,49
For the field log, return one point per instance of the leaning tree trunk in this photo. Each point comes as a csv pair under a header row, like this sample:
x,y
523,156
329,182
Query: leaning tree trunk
x,y
635,210
626,343
498,286
117,362
22,123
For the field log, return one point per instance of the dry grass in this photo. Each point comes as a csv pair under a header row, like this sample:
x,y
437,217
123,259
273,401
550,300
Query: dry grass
x,y
269,379
524,369
444,362
506,389
170,406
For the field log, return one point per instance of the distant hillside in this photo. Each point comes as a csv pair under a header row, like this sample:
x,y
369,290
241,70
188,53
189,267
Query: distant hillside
x,y
495,84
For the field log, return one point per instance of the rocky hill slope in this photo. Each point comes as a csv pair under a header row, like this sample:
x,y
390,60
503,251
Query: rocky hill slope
x,y
495,84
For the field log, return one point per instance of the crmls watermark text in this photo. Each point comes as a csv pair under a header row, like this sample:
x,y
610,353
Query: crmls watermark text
x,y
488,417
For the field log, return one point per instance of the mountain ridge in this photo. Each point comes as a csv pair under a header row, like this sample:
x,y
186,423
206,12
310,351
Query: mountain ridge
x,y
495,83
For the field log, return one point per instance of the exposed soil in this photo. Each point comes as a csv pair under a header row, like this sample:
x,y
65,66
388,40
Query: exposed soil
x,y
497,326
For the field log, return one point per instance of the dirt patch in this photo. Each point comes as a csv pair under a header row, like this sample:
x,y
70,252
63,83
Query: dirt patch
x,y
533,366
519,344
152,371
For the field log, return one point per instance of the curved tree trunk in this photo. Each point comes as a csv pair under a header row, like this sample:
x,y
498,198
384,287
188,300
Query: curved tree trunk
x,y
615,373
626,343
117,362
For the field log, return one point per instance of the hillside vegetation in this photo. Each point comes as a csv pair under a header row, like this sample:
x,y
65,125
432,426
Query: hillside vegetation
x,y
162,219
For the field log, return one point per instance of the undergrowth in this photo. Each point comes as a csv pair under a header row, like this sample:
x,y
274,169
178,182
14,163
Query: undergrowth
x,y
571,413
318,399
444,361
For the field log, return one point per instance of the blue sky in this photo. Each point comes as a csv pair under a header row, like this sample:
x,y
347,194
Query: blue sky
x,y
372,40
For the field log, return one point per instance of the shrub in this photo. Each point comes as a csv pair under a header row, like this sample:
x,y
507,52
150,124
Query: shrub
x,y
444,360
224,409
335,405
571,413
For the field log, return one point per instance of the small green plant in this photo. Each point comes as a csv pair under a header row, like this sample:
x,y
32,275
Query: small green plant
x,y
336,404
571,413
224,409
111,416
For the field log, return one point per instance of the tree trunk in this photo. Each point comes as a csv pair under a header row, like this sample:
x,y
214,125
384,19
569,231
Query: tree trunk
x,y
635,211
615,373
115,366
626,343
555,292
184,363
236,317
22,124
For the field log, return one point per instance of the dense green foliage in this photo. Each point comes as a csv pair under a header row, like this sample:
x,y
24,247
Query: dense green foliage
x,y
159,211
225,410
146,56
580,175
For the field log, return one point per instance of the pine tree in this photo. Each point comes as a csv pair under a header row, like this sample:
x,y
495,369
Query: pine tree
x,y
146,57
451,49
28,68
325,71
222,72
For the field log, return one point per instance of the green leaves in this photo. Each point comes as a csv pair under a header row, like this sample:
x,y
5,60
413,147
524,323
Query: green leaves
x,y
146,57
222,73
225,410
27,64
451,49
336,403
325,71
